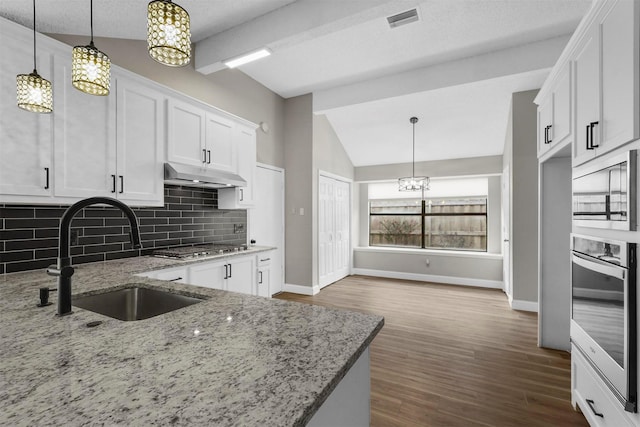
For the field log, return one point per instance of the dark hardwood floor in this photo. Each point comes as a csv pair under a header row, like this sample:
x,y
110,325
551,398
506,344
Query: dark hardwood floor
x,y
454,356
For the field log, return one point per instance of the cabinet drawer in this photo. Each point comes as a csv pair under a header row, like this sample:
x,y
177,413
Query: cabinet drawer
x,y
588,387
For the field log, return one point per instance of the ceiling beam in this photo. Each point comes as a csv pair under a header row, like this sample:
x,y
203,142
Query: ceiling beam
x,y
515,60
289,25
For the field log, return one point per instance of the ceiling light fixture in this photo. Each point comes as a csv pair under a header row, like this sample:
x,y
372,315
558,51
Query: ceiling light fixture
x,y
246,58
168,33
90,68
413,182
33,92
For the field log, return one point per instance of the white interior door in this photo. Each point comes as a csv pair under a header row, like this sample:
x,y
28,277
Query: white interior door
x,y
266,219
506,231
334,231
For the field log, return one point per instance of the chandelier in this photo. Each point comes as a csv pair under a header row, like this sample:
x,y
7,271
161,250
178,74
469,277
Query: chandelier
x,y
413,182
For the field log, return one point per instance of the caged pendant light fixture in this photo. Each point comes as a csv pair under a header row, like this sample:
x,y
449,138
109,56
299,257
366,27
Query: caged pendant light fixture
x,y
33,92
168,33
91,69
413,182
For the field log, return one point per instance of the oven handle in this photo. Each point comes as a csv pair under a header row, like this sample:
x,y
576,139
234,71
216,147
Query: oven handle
x,y
598,265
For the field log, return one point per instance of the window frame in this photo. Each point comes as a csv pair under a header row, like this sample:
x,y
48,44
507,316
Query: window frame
x,y
423,215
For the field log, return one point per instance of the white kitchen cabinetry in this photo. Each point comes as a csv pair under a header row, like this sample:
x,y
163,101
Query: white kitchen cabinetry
x,y
84,137
235,274
25,138
597,404
209,275
554,113
606,75
109,146
140,137
264,274
241,197
200,137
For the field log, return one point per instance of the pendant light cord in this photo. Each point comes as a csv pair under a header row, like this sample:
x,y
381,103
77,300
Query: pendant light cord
x,y
91,11
34,37
413,164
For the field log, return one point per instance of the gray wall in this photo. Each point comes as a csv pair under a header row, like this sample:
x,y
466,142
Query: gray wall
x,y
448,265
298,159
229,90
521,156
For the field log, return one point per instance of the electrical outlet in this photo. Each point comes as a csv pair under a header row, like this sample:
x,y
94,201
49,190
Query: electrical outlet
x,y
238,228
427,262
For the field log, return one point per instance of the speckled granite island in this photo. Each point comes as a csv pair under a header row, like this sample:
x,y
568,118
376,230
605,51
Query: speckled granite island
x,y
231,360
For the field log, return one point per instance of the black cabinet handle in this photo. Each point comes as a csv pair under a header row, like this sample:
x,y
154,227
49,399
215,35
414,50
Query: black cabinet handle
x,y
260,281
226,271
208,157
549,140
121,184
204,155
589,147
546,128
177,278
593,409
230,271
113,188
591,125
46,185
241,195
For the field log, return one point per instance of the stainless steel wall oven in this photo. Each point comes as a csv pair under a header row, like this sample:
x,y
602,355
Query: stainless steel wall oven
x,y
604,312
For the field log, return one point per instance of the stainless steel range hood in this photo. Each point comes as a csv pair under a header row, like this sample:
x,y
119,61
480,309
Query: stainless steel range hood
x,y
194,176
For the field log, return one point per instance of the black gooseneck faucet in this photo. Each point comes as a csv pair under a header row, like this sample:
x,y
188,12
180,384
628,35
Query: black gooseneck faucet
x,y
63,270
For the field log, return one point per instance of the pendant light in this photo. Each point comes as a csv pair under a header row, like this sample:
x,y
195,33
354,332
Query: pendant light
x,y
413,182
33,92
91,69
168,33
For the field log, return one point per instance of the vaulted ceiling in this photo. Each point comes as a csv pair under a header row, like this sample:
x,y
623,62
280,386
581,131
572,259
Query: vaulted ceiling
x,y
455,68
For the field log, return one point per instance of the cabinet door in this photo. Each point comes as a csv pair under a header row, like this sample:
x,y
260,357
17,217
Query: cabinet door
x,y
221,151
619,75
26,138
561,122
545,124
186,133
140,139
85,138
246,143
242,276
264,281
209,275
587,76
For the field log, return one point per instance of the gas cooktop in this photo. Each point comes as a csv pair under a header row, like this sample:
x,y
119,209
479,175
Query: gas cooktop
x,y
183,252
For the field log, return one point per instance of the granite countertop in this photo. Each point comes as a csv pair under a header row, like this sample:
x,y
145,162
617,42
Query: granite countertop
x,y
232,360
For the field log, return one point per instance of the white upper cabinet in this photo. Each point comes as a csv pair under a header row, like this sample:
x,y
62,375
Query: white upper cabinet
x,y
25,138
84,137
244,138
221,153
140,142
606,75
186,133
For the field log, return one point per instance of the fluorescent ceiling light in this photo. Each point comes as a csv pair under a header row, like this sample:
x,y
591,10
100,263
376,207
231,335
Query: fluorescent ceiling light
x,y
249,57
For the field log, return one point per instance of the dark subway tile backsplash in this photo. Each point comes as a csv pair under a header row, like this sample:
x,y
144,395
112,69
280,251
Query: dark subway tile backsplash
x,y
29,234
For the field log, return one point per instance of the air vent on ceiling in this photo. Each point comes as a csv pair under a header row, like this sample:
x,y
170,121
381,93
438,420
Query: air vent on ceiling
x,y
403,18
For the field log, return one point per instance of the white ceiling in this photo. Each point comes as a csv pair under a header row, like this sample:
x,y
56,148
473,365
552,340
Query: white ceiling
x,y
455,68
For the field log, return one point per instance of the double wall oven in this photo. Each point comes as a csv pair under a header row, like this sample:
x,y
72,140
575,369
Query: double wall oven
x,y
603,273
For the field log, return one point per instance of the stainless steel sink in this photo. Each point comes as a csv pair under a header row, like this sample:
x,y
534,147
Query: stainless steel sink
x,y
134,303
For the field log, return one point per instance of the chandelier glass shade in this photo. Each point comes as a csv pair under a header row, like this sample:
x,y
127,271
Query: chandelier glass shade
x,y
413,182
34,93
168,33
90,68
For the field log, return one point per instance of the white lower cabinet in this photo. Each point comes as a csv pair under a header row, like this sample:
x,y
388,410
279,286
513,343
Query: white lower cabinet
x,y
234,274
594,399
264,275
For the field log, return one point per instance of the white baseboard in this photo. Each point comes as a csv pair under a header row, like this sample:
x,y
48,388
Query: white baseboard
x,y
449,280
299,289
523,305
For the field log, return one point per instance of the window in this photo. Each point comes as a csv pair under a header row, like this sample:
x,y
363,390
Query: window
x,y
455,222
